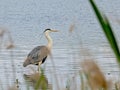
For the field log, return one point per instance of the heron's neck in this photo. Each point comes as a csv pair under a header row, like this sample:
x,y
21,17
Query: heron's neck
x,y
50,42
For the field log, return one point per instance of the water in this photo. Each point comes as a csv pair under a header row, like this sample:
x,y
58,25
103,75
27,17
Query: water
x,y
26,20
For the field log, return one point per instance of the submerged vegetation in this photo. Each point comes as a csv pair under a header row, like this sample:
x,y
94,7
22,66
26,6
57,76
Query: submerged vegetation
x,y
91,76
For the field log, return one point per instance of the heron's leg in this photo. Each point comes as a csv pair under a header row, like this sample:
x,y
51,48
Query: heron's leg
x,y
39,66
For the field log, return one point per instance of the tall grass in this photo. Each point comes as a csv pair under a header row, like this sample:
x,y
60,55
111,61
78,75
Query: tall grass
x,y
107,29
5,33
94,76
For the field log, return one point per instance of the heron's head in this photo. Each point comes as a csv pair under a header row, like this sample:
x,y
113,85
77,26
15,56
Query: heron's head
x,y
50,30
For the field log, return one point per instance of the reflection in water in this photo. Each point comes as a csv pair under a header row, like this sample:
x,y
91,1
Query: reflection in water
x,y
38,81
14,86
26,20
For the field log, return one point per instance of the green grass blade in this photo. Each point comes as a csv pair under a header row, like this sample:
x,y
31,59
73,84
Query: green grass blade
x,y
112,40
107,30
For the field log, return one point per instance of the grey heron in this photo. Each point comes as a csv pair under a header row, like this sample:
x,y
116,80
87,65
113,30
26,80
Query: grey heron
x,y
39,54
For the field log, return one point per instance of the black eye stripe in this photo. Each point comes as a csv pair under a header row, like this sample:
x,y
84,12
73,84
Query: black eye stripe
x,y
47,29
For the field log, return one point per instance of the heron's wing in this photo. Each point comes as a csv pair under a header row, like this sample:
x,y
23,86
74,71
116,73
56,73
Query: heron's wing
x,y
38,54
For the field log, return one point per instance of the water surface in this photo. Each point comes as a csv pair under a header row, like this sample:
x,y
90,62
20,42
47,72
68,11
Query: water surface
x,y
26,20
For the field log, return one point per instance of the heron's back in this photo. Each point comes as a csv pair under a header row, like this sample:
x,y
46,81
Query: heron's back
x,y
38,54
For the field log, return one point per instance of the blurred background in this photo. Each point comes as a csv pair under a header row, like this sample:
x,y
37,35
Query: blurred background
x,y
23,22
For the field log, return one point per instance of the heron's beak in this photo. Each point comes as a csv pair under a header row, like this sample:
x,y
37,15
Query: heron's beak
x,y
54,30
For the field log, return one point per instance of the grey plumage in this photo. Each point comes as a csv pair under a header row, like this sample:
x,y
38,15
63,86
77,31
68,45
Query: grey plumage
x,y
38,54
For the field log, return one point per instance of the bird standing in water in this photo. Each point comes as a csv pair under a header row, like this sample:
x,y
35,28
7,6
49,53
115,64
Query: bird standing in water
x,y
39,54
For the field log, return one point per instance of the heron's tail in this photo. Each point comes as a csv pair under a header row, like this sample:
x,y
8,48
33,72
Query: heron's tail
x,y
24,65
26,62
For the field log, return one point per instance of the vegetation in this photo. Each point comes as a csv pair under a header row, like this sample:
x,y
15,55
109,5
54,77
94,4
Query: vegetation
x,y
106,27
91,76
